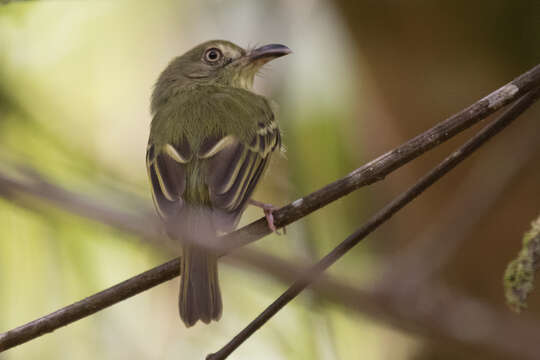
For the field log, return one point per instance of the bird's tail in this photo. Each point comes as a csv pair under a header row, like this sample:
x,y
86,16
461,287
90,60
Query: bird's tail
x,y
200,298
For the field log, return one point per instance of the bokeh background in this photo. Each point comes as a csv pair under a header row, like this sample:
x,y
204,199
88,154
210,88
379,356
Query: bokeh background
x,y
75,81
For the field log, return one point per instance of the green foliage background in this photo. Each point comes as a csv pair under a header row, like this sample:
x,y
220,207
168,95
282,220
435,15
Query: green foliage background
x,y
75,82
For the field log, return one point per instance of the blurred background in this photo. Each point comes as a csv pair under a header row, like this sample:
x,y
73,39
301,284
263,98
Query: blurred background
x,y
75,82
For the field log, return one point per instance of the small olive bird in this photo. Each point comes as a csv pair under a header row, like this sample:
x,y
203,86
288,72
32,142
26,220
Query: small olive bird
x,y
210,142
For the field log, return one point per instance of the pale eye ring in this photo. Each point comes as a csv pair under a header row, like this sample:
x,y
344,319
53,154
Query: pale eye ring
x,y
213,55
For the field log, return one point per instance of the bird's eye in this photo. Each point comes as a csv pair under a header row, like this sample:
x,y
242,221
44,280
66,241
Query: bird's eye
x,y
213,55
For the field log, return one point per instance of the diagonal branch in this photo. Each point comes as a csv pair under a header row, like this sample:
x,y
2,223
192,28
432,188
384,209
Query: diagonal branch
x,y
369,173
30,185
431,310
90,305
438,242
377,169
378,219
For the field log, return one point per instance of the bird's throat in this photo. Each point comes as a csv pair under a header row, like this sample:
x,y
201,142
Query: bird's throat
x,y
243,80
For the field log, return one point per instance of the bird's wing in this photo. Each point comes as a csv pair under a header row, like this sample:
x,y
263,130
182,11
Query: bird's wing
x,y
166,166
231,168
234,167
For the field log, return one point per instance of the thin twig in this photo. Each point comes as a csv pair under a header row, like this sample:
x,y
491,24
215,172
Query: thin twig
x,y
379,218
373,171
28,183
437,244
432,311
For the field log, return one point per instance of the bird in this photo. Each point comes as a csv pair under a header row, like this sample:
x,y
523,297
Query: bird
x,y
211,140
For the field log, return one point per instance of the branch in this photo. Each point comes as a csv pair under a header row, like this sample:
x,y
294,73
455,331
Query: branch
x,y
90,305
438,242
377,169
30,184
378,219
369,173
432,311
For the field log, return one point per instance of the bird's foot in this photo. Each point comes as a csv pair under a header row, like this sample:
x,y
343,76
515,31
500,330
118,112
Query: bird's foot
x,y
268,213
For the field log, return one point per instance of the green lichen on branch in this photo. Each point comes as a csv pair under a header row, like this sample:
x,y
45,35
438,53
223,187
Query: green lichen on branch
x,y
519,275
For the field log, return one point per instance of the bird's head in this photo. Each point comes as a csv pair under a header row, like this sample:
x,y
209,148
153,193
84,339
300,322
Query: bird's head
x,y
222,62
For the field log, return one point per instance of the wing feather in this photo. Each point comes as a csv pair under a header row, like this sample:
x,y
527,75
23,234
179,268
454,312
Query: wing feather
x,y
167,173
240,197
235,170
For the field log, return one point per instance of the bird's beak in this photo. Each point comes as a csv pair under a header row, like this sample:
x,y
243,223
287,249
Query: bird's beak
x,y
266,53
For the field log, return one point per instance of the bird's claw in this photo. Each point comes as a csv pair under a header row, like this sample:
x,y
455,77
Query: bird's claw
x,y
268,214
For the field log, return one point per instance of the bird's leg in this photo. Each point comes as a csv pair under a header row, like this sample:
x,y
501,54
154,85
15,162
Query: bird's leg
x,y
268,213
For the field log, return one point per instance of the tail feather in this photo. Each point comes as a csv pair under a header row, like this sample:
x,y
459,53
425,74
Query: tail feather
x,y
200,297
